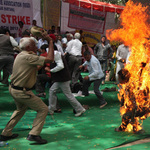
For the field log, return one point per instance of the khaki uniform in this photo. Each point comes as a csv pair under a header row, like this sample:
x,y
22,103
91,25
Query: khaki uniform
x,y
24,75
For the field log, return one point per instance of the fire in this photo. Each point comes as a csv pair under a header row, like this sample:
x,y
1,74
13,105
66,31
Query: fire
x,y
135,33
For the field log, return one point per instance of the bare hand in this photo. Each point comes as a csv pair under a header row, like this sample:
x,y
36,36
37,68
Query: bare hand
x,y
46,37
80,67
86,77
47,69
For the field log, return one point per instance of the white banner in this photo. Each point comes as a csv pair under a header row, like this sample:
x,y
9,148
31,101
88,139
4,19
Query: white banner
x,y
12,11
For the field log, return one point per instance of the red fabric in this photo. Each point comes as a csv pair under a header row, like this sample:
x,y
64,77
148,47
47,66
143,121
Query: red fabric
x,y
44,54
47,64
97,5
48,73
53,37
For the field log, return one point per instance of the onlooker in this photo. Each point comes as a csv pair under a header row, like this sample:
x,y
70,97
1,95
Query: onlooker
x,y
59,37
33,24
69,37
101,51
75,58
20,29
81,37
64,41
56,46
58,30
95,75
7,43
40,43
121,56
5,73
53,29
44,76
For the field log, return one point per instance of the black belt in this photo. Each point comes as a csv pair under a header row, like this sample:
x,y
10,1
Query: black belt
x,y
19,88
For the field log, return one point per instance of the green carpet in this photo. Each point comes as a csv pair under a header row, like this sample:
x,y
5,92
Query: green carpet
x,y
93,130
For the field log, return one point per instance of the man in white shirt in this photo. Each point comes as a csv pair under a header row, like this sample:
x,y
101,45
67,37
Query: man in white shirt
x,y
95,75
74,49
69,37
121,56
57,41
61,78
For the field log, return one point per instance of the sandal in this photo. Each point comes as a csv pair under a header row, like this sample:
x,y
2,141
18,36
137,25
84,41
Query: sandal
x,y
58,111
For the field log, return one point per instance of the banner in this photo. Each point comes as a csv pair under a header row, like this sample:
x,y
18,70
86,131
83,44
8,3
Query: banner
x,y
85,19
13,11
51,15
90,38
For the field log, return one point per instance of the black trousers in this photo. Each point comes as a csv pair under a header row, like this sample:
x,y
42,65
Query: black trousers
x,y
85,90
41,81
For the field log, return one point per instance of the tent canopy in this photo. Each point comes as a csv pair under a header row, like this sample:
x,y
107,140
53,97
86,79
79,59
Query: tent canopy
x,y
96,5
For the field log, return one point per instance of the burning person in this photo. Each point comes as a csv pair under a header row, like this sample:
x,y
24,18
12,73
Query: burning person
x,y
130,119
134,94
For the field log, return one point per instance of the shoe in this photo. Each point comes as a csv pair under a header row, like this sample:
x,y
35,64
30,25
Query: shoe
x,y
103,105
80,113
5,138
101,92
41,95
80,94
36,138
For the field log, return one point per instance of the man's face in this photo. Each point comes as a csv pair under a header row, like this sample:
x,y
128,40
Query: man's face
x,y
43,51
87,57
34,22
20,25
59,37
103,39
32,47
68,38
56,34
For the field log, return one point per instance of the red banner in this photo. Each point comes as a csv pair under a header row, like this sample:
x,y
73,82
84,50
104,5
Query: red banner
x,y
85,19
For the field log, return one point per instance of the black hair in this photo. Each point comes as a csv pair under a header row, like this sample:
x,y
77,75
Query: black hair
x,y
66,32
20,22
44,46
87,53
84,43
6,30
52,27
124,74
26,32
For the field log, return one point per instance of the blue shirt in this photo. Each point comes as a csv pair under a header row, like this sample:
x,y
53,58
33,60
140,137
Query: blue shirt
x,y
94,67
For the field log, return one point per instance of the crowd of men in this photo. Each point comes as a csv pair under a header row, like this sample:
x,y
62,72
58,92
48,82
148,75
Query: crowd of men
x,y
59,62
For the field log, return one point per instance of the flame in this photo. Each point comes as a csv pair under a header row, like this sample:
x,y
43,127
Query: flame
x,y
135,33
